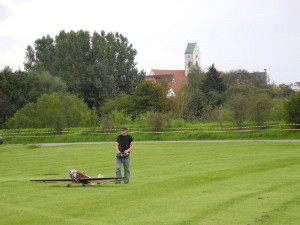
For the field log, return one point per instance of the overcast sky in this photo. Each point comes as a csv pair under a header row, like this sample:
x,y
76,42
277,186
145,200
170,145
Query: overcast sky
x,y
233,34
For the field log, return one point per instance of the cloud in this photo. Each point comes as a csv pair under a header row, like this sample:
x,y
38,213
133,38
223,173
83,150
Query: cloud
x,y
248,34
5,12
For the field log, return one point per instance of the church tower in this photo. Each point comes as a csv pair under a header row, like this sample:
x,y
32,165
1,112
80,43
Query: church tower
x,y
192,56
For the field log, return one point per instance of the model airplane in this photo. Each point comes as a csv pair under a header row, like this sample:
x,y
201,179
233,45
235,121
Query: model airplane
x,y
82,178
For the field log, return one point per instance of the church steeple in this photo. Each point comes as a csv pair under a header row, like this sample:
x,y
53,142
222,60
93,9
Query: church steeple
x,y
192,56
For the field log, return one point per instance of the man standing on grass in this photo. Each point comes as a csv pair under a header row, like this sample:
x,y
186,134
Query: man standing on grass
x,y
124,146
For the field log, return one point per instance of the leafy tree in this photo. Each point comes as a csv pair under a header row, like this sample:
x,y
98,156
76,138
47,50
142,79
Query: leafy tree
x,y
203,92
146,97
284,90
114,119
292,109
213,80
238,106
179,105
15,91
94,67
72,59
44,83
43,55
243,77
278,109
196,99
122,103
149,96
30,56
213,86
19,88
260,107
157,121
57,111
241,89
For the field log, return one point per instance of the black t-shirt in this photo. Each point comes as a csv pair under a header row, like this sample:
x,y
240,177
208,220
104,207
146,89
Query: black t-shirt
x,y
124,142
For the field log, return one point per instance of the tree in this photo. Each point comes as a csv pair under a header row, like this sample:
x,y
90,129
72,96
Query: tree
x,y
19,88
57,111
196,99
260,106
292,109
238,106
179,105
44,54
285,90
278,109
94,67
213,86
243,77
44,83
157,121
146,97
30,56
15,91
213,80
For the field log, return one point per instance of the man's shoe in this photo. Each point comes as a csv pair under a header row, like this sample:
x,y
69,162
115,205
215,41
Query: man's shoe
x,y
117,182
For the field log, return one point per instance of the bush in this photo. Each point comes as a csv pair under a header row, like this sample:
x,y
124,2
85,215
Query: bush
x,y
55,111
278,109
238,107
158,121
260,108
113,120
292,109
107,123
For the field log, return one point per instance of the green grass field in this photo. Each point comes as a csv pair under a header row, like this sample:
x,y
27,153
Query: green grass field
x,y
172,183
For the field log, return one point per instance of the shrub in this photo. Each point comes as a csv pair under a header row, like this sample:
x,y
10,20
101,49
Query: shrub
x,y
107,123
238,106
55,111
158,121
260,108
292,109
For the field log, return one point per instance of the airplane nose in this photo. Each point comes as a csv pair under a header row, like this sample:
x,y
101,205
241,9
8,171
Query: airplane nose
x,y
72,174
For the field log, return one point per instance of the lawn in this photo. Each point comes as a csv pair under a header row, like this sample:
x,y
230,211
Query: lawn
x,y
171,183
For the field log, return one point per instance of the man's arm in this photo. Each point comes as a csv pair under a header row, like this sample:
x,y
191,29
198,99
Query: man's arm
x,y
117,148
130,148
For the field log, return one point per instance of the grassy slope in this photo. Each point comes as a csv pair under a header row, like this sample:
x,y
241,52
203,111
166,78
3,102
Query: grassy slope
x,y
37,136
172,183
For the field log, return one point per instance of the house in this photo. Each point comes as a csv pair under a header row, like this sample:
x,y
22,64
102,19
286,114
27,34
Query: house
x,y
296,86
176,78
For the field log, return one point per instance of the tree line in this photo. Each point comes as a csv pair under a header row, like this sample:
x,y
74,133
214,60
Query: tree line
x,y
78,79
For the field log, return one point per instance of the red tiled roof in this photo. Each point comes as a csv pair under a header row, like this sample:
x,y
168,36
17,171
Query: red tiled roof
x,y
163,72
178,75
158,78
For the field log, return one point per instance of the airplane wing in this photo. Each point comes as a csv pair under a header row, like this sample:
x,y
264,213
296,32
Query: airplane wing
x,y
103,179
85,180
53,180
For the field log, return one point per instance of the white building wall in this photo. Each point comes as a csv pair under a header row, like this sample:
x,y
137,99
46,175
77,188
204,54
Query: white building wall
x,y
295,87
192,59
